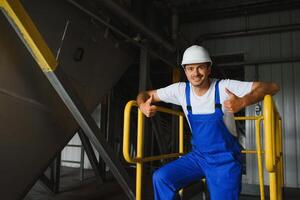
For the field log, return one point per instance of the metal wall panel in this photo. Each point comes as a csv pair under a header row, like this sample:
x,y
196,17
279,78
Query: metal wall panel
x,y
251,167
261,47
297,117
296,52
289,142
283,74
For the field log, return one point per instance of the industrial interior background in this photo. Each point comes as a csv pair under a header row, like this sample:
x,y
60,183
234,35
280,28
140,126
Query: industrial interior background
x,y
110,50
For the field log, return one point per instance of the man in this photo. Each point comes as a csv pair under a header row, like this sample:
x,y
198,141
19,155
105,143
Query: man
x,y
209,105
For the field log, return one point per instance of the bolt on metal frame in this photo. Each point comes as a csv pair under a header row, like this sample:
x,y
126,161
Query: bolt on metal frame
x,y
272,143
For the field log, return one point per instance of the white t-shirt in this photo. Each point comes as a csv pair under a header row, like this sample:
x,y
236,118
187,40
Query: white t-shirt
x,y
205,104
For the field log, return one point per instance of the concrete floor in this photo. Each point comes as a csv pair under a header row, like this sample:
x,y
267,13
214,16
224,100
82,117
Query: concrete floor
x,y
72,188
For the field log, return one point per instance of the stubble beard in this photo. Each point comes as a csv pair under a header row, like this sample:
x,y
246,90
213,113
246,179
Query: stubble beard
x,y
200,84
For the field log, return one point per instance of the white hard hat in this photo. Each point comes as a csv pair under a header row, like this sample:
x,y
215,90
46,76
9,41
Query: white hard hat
x,y
195,54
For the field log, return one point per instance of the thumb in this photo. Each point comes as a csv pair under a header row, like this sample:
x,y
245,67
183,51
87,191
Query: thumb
x,y
149,100
230,94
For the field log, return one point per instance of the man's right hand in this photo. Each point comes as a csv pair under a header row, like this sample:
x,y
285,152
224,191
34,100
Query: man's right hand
x,y
148,109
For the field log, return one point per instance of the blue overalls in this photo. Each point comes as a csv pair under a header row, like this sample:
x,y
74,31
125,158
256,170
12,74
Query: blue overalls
x,y
215,155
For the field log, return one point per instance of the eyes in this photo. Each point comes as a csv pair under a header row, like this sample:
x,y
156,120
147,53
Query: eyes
x,y
198,68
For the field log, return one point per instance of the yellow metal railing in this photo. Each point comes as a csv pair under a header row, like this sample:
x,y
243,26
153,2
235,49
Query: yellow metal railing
x,y
140,159
272,143
273,148
258,151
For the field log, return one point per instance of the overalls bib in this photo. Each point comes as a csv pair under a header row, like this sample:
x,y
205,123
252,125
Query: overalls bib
x,y
215,155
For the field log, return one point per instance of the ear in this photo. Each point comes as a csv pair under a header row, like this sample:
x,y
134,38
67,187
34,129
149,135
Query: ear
x,y
184,69
209,69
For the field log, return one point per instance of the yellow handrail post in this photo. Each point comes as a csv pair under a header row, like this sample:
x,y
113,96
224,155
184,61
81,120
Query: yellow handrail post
x,y
139,154
273,186
273,136
181,136
281,157
273,148
181,143
268,115
274,175
259,159
126,133
268,133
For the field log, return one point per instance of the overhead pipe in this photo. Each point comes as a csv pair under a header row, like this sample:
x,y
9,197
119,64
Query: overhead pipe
x,y
221,11
122,13
262,62
258,31
116,30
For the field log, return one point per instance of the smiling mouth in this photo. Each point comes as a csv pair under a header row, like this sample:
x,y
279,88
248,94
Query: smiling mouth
x,y
197,79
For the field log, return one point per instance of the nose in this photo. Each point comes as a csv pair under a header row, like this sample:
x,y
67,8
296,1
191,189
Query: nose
x,y
196,72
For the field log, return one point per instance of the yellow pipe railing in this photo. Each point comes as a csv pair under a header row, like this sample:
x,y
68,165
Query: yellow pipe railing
x,y
259,151
272,142
273,148
140,159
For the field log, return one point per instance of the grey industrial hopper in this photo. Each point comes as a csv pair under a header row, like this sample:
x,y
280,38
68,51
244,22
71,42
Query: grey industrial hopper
x,y
35,124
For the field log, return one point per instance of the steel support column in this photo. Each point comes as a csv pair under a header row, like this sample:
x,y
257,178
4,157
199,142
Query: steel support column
x,y
55,174
91,155
32,39
46,183
144,69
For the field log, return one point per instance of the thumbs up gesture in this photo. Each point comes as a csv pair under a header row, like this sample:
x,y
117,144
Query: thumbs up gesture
x,y
148,109
234,103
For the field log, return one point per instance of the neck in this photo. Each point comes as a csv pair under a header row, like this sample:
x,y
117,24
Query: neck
x,y
201,89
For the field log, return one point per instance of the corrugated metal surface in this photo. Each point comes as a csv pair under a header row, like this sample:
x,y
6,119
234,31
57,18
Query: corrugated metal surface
x,y
258,47
297,117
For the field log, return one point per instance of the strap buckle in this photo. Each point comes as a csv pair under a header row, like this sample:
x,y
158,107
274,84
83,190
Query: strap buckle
x,y
218,105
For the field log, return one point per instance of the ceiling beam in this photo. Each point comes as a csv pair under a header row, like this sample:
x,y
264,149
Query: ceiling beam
x,y
216,11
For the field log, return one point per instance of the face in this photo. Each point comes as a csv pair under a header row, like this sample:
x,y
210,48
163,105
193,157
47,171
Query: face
x,y
197,74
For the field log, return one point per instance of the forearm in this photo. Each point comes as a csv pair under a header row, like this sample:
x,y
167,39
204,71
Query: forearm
x,y
259,90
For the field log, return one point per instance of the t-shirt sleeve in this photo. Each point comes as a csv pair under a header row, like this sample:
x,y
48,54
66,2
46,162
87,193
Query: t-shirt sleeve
x,y
239,88
170,94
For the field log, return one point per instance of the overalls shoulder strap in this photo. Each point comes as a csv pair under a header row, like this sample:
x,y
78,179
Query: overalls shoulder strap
x,y
217,96
187,97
